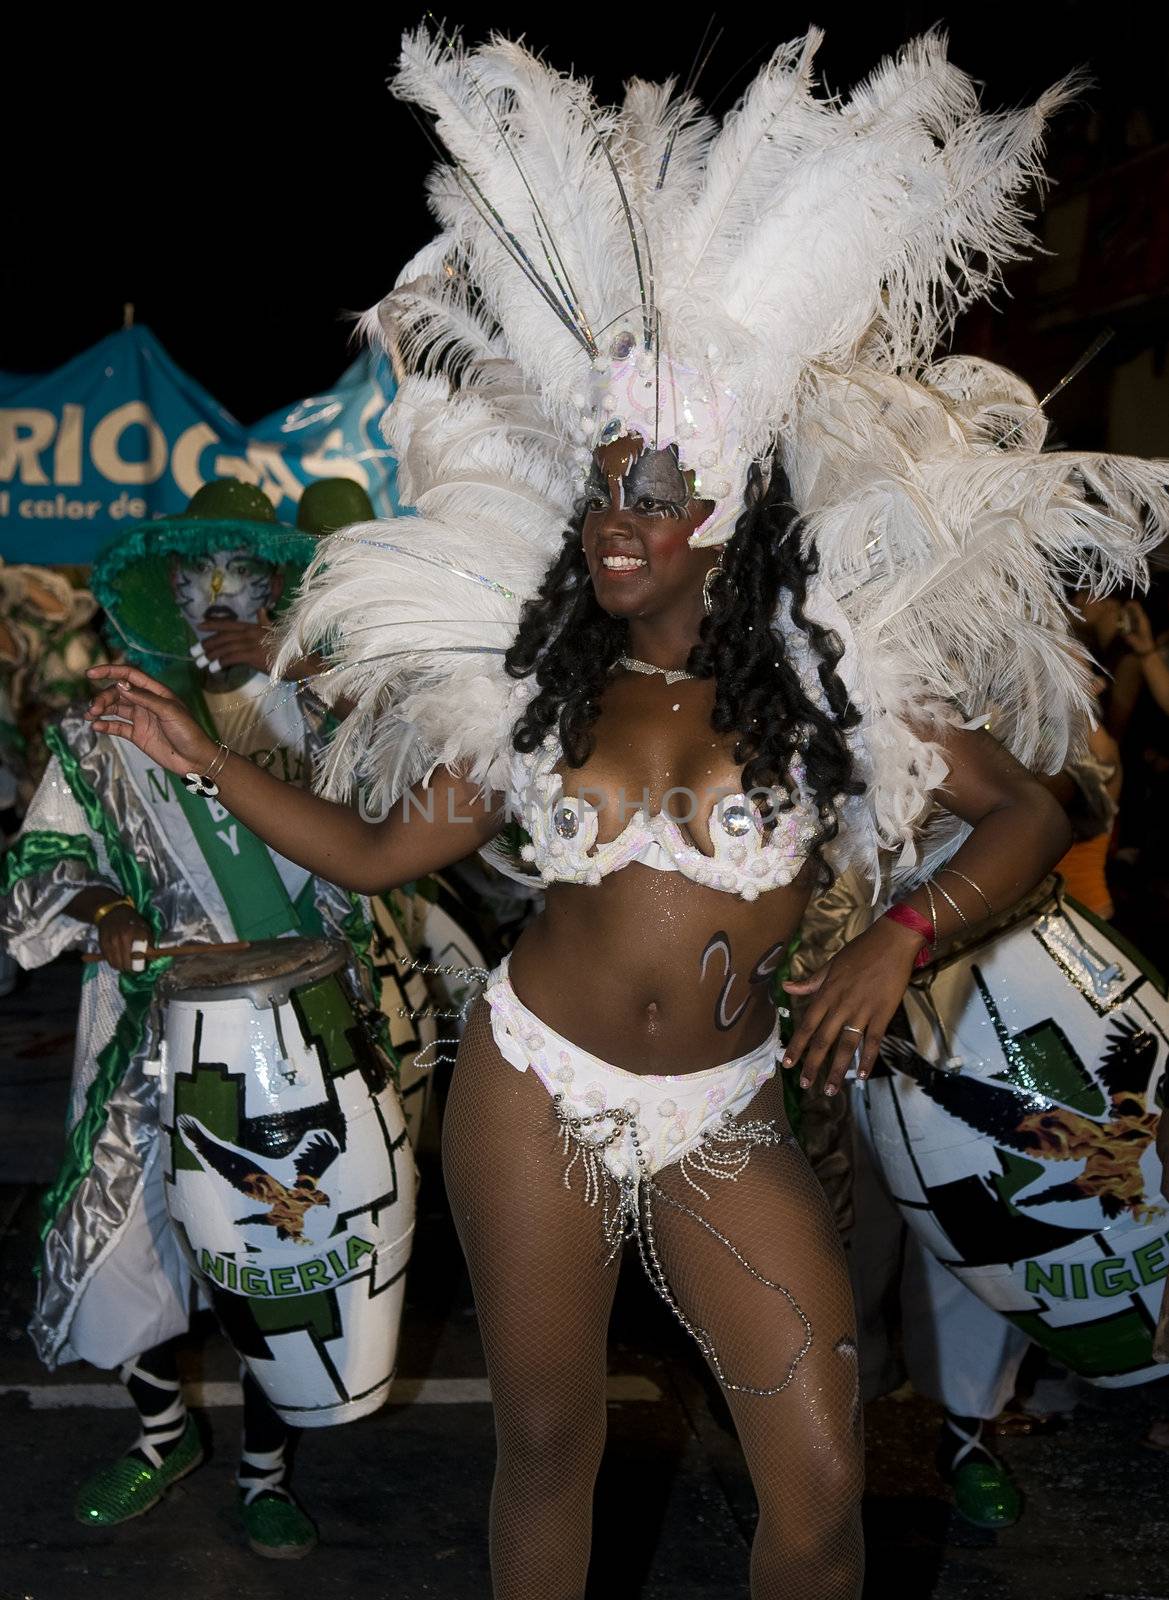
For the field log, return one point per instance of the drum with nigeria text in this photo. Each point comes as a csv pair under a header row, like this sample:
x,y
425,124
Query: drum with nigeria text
x,y
290,1179
1016,1125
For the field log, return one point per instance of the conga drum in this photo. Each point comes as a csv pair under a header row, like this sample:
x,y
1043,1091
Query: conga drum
x,y
1015,1126
289,1176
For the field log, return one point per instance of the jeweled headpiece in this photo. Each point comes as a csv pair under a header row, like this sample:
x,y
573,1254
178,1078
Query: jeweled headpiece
x,y
645,270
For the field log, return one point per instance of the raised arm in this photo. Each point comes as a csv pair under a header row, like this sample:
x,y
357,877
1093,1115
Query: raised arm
x,y
429,829
1018,833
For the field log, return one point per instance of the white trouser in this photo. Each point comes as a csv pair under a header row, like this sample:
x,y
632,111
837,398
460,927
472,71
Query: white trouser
x,y
139,1293
958,1351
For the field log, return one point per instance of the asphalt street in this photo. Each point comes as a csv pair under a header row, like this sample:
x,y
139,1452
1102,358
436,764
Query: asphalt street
x,y
401,1497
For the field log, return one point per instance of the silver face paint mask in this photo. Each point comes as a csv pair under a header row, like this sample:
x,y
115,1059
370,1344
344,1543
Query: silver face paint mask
x,y
228,586
655,475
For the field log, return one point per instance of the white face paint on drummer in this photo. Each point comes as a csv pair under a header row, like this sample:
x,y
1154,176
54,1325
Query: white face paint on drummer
x,y
227,586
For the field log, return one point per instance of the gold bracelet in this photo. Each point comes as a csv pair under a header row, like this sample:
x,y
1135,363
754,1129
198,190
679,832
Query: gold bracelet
x,y
220,761
110,905
981,894
929,894
203,783
950,901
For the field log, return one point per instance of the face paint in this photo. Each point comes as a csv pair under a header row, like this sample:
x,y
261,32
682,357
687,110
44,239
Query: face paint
x,y
228,586
637,474
656,475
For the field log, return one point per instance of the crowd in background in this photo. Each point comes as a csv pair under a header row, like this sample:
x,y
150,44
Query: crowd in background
x,y
1119,866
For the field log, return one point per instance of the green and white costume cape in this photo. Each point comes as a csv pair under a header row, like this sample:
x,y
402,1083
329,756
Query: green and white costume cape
x,y
114,1282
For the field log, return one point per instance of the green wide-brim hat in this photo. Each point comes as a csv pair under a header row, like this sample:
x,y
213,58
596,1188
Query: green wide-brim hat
x,y
131,576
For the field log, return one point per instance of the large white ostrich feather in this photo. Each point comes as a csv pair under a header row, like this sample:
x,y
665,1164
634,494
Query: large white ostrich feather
x,y
803,260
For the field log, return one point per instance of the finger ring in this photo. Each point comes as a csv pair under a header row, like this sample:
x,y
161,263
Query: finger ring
x,y
848,1027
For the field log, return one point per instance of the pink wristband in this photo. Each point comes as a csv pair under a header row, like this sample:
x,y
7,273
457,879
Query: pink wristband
x,y
909,918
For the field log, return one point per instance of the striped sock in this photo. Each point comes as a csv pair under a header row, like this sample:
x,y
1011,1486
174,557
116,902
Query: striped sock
x,y
158,1396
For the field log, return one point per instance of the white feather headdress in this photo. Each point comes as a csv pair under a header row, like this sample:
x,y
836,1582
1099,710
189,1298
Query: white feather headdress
x,y
779,282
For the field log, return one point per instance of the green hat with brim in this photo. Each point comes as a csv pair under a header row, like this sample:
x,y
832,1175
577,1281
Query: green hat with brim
x,y
131,576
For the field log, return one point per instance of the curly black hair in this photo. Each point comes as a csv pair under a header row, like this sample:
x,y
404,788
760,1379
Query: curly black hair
x,y
568,644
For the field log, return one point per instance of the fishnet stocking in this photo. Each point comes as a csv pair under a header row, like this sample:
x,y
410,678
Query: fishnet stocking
x,y
804,1447
544,1290
543,1297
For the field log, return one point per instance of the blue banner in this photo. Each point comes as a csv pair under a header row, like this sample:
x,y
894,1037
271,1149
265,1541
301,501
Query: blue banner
x,y
120,434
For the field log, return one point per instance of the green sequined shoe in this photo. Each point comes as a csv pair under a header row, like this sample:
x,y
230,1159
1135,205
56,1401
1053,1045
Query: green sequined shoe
x,y
985,1494
129,1487
276,1526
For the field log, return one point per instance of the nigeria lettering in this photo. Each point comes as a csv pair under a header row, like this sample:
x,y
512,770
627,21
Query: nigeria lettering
x,y
1111,1275
300,1277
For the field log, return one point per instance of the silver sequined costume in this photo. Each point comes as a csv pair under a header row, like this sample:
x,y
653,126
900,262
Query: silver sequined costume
x,y
108,1236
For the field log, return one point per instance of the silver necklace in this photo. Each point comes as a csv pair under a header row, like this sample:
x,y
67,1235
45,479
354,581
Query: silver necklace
x,y
647,669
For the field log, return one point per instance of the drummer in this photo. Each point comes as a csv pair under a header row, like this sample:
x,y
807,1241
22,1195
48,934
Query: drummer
x,y
117,856
957,1350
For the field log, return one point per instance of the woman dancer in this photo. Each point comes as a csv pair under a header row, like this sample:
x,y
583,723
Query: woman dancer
x,y
689,743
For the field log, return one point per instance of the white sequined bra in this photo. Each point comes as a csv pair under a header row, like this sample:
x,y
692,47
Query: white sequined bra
x,y
748,859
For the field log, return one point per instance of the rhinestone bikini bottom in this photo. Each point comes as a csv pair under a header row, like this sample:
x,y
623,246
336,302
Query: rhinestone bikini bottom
x,y
621,1128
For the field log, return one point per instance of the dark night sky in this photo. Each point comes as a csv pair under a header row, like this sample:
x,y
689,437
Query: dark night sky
x,y
245,188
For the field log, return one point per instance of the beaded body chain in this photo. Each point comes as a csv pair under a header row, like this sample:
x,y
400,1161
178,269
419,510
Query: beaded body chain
x,y
478,975
723,1153
436,1054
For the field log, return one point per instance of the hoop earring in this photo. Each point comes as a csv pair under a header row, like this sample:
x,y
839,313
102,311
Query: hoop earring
x,y
713,574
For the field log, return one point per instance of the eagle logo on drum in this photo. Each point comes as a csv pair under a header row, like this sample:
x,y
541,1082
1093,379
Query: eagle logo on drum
x,y
287,1202
1110,1147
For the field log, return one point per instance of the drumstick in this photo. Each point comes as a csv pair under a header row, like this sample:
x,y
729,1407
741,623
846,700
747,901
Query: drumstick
x,y
152,953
